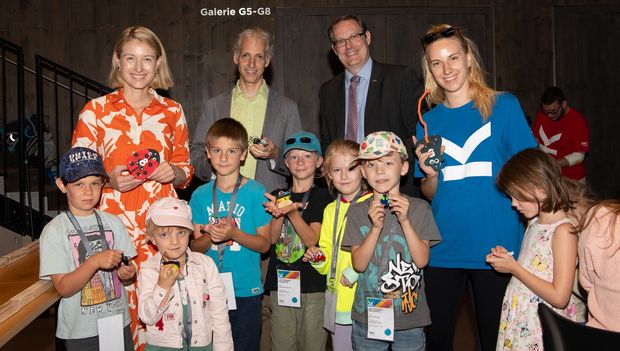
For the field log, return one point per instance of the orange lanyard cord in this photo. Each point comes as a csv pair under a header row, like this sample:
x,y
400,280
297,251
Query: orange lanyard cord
x,y
420,114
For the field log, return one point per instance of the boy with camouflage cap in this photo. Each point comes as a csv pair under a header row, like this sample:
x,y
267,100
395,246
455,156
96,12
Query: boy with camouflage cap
x,y
389,235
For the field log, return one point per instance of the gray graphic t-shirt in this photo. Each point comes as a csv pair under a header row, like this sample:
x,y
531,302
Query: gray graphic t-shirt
x,y
391,272
61,252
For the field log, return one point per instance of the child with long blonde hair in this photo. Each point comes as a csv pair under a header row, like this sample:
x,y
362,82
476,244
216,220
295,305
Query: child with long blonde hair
x,y
347,182
545,269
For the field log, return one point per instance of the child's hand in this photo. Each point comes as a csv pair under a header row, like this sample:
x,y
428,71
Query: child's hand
x,y
276,211
400,206
271,205
168,274
292,208
204,230
310,252
428,170
108,259
126,272
376,212
344,281
501,260
223,230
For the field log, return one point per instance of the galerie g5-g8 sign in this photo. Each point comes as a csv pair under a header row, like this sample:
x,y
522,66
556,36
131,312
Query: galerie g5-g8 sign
x,y
242,11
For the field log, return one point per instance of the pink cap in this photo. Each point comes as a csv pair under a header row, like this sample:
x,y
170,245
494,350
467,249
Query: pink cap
x,y
168,211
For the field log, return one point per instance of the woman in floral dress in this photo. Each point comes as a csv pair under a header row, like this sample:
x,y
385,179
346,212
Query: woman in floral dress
x,y
131,119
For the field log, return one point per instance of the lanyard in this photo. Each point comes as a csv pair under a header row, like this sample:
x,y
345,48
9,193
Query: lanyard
x,y
86,244
288,225
231,207
336,240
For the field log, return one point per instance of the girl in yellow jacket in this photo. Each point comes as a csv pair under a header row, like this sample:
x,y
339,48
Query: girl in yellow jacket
x,y
345,178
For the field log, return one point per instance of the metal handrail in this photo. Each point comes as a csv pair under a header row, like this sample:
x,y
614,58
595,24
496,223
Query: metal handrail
x,y
48,79
28,221
43,64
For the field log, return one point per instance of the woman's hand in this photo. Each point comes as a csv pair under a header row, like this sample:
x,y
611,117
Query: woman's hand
x,y
121,180
422,157
164,173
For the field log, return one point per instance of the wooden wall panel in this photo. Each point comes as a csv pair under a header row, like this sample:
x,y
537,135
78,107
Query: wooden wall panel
x,y
81,35
587,71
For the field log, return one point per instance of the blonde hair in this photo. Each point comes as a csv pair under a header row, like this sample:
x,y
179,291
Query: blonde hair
x,y
152,229
338,147
482,95
163,76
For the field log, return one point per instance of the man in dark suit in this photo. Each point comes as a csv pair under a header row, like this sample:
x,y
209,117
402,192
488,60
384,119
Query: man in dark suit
x,y
368,96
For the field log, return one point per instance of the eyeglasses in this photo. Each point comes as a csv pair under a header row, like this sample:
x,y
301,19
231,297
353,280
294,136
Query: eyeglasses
x,y
303,140
354,39
432,36
554,112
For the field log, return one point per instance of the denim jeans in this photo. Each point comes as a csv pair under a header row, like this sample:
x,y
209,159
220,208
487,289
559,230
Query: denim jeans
x,y
245,323
408,339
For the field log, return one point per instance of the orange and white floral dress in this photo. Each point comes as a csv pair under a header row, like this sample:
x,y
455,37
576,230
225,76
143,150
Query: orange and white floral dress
x,y
111,127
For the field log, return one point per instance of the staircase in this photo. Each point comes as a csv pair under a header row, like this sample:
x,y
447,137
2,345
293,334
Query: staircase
x,y
32,142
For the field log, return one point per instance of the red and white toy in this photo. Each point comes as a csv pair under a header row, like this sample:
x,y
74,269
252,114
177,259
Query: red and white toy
x,y
318,257
142,163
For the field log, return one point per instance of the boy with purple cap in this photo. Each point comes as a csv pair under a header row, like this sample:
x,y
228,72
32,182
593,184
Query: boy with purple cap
x,y
389,235
84,252
182,299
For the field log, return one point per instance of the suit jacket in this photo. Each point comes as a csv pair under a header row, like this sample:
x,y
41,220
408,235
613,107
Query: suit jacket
x,y
391,105
281,120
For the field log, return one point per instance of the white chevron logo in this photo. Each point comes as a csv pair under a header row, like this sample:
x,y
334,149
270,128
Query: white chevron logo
x,y
462,154
548,141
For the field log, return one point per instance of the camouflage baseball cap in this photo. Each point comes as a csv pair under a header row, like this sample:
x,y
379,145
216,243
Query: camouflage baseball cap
x,y
379,144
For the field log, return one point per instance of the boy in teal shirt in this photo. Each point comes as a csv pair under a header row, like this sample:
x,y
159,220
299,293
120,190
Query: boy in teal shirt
x,y
232,227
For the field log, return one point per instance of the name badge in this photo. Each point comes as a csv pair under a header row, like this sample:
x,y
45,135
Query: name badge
x,y
111,336
380,319
227,279
289,288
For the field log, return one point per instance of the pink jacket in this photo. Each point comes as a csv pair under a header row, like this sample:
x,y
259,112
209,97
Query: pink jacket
x,y
164,325
599,260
